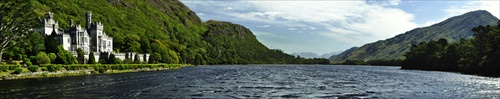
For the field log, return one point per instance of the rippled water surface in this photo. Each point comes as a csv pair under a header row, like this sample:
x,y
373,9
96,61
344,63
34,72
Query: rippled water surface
x,y
261,81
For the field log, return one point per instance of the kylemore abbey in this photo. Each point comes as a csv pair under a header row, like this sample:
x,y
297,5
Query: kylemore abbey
x,y
90,38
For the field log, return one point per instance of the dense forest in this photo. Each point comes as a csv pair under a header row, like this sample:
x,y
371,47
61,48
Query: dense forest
x,y
477,55
166,29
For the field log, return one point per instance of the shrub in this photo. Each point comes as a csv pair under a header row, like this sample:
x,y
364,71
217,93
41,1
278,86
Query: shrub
x,y
33,68
17,71
91,58
44,69
14,67
26,60
80,56
42,58
52,57
29,64
101,69
53,68
137,59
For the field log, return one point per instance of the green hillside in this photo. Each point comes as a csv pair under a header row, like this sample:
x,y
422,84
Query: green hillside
x,y
235,44
166,27
451,29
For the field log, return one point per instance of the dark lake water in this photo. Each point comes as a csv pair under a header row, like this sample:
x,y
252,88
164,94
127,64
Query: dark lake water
x,y
261,81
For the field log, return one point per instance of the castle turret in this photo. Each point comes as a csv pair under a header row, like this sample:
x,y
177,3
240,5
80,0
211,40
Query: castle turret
x,y
71,23
89,19
48,15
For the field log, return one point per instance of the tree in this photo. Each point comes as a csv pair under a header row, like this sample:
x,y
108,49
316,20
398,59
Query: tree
x,y
113,60
16,20
42,58
65,57
52,57
33,43
154,58
80,55
91,58
137,59
199,60
51,44
132,43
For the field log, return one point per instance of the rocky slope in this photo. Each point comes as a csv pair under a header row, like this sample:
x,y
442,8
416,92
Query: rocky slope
x,y
452,29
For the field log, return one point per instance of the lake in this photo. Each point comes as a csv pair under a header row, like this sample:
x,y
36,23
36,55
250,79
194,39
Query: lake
x,y
261,81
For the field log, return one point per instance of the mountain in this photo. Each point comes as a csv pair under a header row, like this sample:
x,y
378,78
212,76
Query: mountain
x,y
328,55
235,44
306,55
167,27
452,29
314,55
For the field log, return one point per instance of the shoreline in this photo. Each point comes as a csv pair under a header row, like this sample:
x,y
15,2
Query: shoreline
x,y
88,71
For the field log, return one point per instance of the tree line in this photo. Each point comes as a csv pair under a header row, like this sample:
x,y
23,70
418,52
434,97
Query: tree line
x,y
477,55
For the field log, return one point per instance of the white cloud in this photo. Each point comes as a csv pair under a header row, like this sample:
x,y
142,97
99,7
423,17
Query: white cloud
x,y
312,28
384,2
350,23
263,26
292,29
373,21
258,33
228,8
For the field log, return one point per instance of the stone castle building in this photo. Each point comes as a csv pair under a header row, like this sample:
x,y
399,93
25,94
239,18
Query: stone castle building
x,y
90,38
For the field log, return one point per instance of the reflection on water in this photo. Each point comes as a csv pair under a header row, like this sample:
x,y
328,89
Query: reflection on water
x,y
261,81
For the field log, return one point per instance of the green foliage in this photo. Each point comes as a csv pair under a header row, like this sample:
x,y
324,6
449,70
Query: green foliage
x,y
80,55
355,62
301,60
113,60
16,23
29,64
33,68
44,69
476,55
169,29
51,44
234,44
8,67
452,29
137,59
26,60
52,57
91,58
53,68
383,62
64,57
154,58
102,60
42,58
17,71
127,61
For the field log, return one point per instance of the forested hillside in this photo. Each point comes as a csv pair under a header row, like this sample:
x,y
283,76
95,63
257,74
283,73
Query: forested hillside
x,y
451,29
165,27
478,55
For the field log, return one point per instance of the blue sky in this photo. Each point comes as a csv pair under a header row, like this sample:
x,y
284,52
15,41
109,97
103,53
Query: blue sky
x,y
324,26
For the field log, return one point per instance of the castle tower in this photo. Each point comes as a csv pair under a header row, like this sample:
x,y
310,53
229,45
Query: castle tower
x,y
89,19
48,15
71,23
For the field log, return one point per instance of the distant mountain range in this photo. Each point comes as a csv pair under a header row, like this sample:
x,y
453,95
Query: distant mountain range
x,y
452,29
314,55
